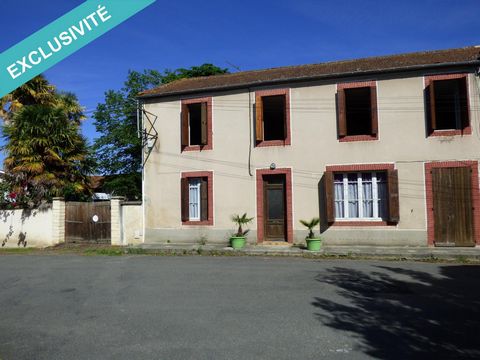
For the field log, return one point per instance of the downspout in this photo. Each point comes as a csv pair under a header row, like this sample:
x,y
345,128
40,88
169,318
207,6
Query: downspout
x,y
140,135
250,120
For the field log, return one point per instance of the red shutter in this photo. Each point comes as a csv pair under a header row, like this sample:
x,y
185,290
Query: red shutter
x,y
374,109
342,113
393,196
185,199
184,126
329,196
204,124
433,118
258,118
204,199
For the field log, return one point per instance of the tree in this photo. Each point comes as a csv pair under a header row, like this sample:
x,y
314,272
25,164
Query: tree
x,y
35,91
119,149
46,155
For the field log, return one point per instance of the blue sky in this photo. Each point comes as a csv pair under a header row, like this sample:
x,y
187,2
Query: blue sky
x,y
250,34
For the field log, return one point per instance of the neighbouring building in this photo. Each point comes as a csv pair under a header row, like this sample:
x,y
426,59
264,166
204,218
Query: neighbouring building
x,y
384,150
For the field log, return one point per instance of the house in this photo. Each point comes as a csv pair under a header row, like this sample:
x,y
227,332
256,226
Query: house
x,y
384,149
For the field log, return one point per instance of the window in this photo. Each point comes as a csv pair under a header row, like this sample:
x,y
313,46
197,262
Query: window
x,y
357,111
272,125
363,194
196,198
196,127
448,105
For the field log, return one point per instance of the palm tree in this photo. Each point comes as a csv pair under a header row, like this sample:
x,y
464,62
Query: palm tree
x,y
310,225
36,91
240,221
46,155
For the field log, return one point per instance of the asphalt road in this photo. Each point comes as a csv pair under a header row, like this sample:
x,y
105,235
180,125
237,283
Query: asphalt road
x,y
141,307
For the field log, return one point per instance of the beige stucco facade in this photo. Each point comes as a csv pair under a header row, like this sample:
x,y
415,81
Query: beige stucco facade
x,y
402,141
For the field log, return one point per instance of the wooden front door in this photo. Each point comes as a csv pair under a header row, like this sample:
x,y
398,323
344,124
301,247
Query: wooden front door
x,y
87,222
453,206
274,207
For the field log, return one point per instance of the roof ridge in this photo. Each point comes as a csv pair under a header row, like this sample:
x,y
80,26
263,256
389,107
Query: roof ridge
x,y
364,60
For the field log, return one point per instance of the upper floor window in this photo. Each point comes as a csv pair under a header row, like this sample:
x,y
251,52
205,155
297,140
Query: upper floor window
x,y
447,97
196,127
272,117
357,111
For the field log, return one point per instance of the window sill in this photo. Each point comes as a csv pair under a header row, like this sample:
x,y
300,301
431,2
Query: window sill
x,y
453,132
265,143
202,222
197,147
350,138
361,223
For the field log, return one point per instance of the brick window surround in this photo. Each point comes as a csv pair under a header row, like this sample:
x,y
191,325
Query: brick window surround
x,y
360,168
209,145
288,200
360,84
429,196
468,129
209,176
288,137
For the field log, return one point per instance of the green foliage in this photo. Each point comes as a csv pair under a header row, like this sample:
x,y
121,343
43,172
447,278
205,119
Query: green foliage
x,y
310,225
45,154
241,221
118,149
194,71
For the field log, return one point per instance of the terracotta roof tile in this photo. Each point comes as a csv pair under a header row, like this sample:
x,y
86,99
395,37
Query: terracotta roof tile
x,y
329,69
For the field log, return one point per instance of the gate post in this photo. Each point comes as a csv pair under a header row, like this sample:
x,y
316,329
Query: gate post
x,y
58,212
116,219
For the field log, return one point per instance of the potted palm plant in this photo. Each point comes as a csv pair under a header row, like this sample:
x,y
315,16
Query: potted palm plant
x,y
313,243
237,240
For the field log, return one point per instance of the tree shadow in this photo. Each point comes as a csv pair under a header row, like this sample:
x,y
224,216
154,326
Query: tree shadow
x,y
398,313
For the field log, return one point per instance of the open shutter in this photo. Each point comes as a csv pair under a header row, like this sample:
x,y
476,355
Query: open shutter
x,y
393,199
204,125
342,113
258,118
433,117
184,125
204,200
374,109
185,199
464,102
329,196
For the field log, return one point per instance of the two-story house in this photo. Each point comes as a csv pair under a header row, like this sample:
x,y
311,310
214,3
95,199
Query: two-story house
x,y
384,149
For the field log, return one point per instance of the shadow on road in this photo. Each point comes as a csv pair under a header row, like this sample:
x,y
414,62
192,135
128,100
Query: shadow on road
x,y
397,313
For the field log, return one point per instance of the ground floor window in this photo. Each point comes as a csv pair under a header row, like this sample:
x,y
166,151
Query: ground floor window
x,y
197,197
361,195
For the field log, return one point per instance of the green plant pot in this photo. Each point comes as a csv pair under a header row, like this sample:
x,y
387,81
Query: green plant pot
x,y
237,242
314,244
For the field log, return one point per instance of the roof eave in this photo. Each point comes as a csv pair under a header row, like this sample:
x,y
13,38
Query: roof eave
x,y
310,78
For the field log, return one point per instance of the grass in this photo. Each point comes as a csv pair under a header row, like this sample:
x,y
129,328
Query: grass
x,y
17,251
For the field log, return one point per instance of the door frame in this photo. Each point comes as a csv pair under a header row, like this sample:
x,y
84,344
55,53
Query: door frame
x,y
288,203
473,165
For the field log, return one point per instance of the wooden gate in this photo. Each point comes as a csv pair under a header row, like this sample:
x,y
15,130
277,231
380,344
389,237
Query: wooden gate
x,y
452,206
87,222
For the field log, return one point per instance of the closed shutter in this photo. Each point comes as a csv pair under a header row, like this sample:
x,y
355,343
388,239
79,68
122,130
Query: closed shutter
x,y
342,113
185,199
393,196
329,196
464,102
374,109
204,124
431,97
184,126
258,118
204,199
